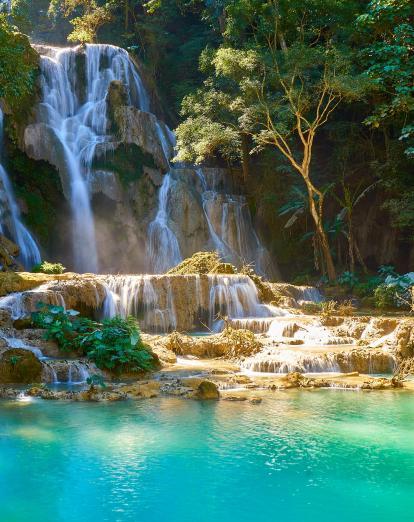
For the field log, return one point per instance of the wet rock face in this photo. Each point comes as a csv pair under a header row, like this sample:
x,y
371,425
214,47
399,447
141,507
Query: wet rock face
x,y
142,129
19,366
117,97
366,361
8,253
405,339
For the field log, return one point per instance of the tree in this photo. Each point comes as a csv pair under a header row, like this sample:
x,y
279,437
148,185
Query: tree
x,y
18,63
87,24
388,59
279,86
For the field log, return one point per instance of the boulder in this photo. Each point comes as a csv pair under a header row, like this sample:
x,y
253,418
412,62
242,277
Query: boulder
x,y
144,130
117,97
41,143
8,252
20,367
142,390
202,389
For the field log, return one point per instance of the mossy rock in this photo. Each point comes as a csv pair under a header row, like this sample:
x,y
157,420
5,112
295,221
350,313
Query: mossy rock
x,y
127,161
23,281
8,253
202,389
20,367
223,268
117,97
199,263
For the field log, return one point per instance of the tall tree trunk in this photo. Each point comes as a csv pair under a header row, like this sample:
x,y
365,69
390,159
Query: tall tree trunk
x,y
317,218
245,157
126,15
351,244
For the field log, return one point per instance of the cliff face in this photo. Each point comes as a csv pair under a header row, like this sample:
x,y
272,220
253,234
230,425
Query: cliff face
x,y
124,170
117,199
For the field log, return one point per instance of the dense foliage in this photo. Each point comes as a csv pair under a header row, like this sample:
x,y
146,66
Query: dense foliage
x,y
312,99
113,344
17,65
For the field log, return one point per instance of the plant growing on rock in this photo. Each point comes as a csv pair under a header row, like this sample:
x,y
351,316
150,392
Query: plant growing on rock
x,y
346,308
49,268
95,380
328,310
240,342
61,325
18,63
114,345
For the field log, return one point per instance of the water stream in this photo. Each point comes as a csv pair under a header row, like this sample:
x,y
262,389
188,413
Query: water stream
x,y
11,223
79,122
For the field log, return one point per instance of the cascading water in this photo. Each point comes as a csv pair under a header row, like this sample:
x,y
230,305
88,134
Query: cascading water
x,y
163,248
80,124
10,220
230,226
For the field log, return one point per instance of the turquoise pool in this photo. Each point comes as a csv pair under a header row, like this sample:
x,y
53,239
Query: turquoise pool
x,y
299,456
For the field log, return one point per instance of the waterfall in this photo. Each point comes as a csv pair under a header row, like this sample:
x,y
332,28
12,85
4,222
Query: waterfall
x,y
230,227
165,303
234,297
80,125
56,371
149,298
15,342
163,248
10,219
286,361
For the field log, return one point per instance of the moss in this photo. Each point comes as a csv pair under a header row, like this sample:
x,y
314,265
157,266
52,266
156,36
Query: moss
x,y
198,263
21,281
38,184
127,161
19,366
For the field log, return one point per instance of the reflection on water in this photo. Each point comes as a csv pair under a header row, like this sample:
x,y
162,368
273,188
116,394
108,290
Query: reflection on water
x,y
308,456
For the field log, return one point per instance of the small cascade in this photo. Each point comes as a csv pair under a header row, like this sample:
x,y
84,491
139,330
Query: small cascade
x,y
308,294
49,374
286,361
14,342
10,219
15,304
289,360
305,333
165,303
79,122
163,248
56,371
230,227
148,298
257,325
234,297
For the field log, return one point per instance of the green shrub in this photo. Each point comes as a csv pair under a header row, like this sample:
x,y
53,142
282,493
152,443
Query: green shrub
x,y
385,296
386,270
311,308
115,344
49,268
348,279
367,288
